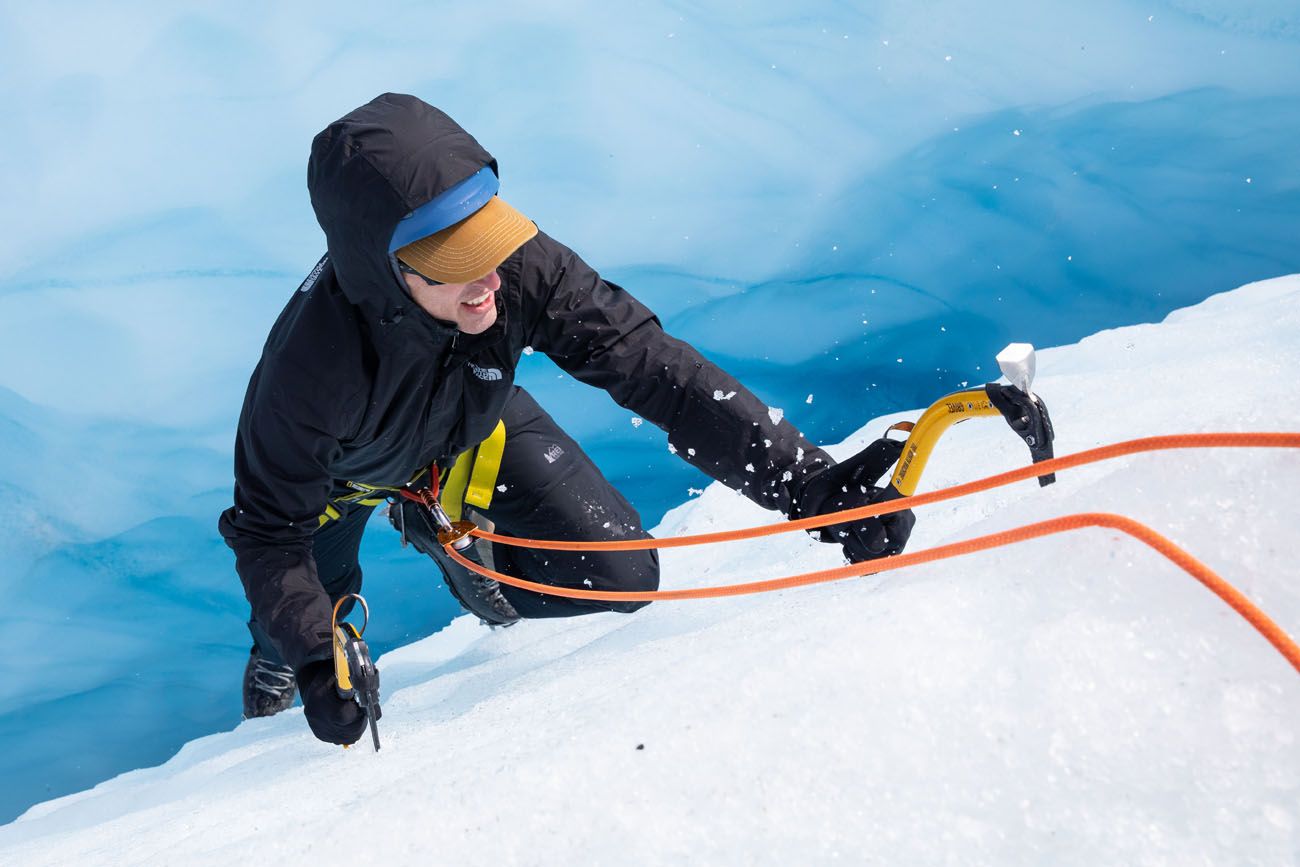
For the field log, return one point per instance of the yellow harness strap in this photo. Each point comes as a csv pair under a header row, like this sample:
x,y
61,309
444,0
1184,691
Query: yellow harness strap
x,y
454,484
487,466
473,478
331,514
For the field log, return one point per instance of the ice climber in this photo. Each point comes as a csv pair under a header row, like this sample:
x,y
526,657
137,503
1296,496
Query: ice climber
x,y
398,353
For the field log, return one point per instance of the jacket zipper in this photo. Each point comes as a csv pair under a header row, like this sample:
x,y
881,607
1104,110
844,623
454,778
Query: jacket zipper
x,y
451,351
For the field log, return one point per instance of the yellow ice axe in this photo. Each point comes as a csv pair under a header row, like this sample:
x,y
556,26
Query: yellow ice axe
x,y
1016,403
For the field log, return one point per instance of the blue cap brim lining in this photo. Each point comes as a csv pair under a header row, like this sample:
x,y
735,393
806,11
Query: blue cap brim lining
x,y
447,209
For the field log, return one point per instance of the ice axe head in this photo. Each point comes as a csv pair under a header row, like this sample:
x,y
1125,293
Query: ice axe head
x,y
1017,403
1018,363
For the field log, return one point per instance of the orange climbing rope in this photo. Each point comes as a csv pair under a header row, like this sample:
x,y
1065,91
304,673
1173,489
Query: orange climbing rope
x,y
1091,456
1198,570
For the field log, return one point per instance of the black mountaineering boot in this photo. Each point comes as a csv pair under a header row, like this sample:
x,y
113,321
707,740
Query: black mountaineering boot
x,y
480,596
268,687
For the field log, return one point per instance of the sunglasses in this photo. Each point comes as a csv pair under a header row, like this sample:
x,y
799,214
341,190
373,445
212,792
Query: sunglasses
x,y
407,269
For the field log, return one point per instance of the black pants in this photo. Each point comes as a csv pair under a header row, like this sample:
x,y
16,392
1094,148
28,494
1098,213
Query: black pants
x,y
548,488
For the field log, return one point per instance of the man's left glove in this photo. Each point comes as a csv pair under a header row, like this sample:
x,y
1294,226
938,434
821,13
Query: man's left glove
x,y
849,485
333,719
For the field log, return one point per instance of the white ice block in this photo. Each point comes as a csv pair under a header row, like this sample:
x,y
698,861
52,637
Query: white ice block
x,y
1018,363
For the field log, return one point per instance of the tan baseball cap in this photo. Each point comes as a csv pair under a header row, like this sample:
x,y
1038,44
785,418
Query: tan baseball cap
x,y
472,248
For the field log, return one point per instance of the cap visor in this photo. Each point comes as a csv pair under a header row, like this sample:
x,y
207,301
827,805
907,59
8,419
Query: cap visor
x,y
471,248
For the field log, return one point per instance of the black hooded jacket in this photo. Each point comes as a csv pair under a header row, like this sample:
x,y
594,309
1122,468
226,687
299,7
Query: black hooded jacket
x,y
357,382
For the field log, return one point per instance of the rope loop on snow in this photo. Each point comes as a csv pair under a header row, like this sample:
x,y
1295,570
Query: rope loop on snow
x,y
1273,633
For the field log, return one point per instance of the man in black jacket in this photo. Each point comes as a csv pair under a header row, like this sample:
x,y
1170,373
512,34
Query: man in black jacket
x,y
395,360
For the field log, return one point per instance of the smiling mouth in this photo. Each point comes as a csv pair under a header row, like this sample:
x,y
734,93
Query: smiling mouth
x,y
479,304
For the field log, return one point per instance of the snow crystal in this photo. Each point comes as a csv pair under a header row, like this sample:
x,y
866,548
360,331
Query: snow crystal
x,y
775,414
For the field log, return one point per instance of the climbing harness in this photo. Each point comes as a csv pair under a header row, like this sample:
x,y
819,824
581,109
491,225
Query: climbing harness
x,y
470,481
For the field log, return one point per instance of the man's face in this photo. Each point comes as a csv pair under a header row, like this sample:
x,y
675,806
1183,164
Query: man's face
x,y
471,306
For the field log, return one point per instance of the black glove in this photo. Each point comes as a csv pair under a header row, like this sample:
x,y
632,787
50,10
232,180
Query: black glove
x,y
333,719
849,485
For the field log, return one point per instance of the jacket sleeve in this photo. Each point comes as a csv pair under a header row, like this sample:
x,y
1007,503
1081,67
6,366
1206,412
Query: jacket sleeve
x,y
604,337
282,484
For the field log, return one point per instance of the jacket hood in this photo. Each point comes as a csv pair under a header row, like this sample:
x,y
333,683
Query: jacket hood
x,y
371,168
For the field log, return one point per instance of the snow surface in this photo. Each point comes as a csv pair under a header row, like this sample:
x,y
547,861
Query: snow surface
x,y
1075,700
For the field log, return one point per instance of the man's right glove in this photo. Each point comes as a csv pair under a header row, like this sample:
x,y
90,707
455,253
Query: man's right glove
x,y
333,719
849,485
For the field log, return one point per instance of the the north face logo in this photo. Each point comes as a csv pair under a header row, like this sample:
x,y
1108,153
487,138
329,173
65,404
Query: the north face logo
x,y
308,283
490,374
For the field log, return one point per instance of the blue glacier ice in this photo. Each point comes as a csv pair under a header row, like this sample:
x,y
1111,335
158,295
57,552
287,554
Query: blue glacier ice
x,y
850,209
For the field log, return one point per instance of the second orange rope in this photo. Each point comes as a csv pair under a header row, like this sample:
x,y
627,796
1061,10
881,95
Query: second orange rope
x,y
1273,633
